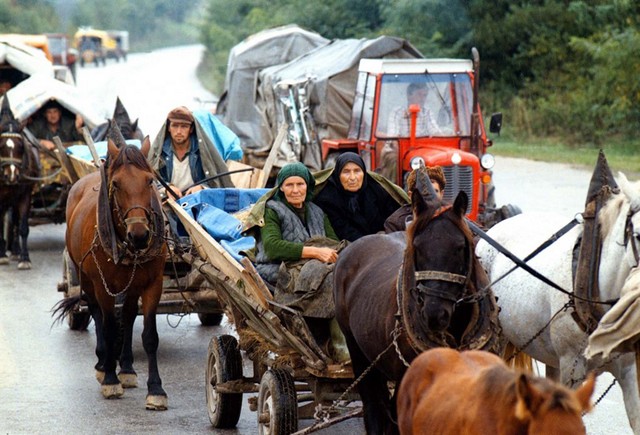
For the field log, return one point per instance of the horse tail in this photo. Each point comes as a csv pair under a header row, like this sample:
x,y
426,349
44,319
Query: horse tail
x,y
517,359
61,309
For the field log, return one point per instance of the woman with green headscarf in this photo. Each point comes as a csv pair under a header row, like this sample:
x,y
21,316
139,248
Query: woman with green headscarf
x,y
297,249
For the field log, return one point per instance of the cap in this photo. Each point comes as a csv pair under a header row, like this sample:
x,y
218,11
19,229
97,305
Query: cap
x,y
180,114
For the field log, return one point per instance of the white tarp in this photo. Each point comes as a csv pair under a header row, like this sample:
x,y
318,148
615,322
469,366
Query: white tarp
x,y
24,58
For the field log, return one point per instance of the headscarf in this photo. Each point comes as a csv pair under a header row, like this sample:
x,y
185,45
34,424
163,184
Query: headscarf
x,y
352,197
296,169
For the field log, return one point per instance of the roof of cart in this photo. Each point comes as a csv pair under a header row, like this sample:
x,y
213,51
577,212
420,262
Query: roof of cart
x,y
415,66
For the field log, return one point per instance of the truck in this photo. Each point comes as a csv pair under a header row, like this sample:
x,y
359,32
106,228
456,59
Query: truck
x,y
458,142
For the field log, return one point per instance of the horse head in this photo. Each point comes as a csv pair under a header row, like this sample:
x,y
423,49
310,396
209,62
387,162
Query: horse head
x,y
438,259
14,158
133,199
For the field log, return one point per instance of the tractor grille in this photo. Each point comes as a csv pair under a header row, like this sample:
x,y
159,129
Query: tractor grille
x,y
458,178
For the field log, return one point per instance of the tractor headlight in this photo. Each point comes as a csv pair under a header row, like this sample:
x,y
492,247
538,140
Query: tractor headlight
x,y
456,158
487,161
416,162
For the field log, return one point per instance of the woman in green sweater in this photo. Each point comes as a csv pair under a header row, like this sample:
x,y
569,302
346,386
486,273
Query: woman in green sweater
x,y
297,248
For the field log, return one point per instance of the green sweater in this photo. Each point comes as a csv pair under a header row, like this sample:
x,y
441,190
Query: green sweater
x,y
278,249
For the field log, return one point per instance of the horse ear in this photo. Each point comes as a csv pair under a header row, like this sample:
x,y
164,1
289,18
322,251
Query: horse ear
x,y
460,203
424,186
112,149
134,126
418,203
146,146
584,393
526,397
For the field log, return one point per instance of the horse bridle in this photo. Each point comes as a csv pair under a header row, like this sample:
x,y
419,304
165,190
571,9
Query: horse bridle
x,y
436,275
124,220
630,234
11,160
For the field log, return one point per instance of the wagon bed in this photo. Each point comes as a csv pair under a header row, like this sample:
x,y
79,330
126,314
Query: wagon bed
x,y
288,366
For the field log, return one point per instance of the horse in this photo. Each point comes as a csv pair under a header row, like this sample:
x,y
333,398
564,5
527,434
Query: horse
x,y
128,128
115,240
531,308
18,170
447,392
437,276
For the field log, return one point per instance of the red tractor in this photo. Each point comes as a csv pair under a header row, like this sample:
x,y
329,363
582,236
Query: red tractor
x,y
409,112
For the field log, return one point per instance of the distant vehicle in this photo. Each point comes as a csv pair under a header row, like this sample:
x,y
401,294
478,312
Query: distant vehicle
x,y
95,46
62,53
122,42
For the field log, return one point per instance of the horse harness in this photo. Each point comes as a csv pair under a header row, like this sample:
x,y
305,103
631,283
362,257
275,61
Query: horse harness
x,y
9,144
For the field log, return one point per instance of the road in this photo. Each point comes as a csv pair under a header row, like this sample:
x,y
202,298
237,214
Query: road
x,y
46,370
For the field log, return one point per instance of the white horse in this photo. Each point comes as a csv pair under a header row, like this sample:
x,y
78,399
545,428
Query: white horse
x,y
527,304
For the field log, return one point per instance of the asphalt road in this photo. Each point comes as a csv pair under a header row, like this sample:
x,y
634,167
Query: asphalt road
x,y
47,382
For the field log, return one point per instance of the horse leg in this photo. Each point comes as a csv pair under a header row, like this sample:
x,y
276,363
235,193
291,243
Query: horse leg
x,y
111,386
5,218
13,239
96,313
624,370
127,375
24,263
156,396
373,391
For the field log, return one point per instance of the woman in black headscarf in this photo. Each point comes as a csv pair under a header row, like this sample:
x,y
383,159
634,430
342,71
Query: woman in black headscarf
x,y
356,201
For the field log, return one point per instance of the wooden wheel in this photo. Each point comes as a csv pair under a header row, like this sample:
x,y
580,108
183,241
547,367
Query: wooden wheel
x,y
224,363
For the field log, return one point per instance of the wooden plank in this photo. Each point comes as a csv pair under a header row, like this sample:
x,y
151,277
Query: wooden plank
x,y
245,180
65,162
273,154
92,148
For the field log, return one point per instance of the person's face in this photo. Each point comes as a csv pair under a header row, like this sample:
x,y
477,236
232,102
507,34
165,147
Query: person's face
x,y
4,87
436,188
351,177
295,190
52,115
179,132
419,96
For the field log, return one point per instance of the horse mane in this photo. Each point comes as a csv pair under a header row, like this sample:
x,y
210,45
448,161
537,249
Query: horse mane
x,y
559,396
129,155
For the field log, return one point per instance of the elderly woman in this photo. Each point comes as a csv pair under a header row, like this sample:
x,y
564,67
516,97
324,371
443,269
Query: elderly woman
x,y
402,217
357,201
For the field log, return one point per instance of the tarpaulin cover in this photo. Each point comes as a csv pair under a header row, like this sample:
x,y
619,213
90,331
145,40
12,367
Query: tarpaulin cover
x,y
82,151
213,209
225,140
266,48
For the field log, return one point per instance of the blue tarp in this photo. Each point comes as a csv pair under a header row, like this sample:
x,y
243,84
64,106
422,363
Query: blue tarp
x,y
226,141
82,151
213,208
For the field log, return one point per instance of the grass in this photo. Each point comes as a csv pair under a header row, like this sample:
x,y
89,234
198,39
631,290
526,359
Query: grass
x,y
623,157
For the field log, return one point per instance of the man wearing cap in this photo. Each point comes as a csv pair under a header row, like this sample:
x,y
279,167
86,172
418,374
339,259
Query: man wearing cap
x,y
183,155
53,123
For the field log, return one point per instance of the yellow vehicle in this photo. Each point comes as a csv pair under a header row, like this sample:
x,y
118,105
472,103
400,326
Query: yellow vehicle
x,y
95,46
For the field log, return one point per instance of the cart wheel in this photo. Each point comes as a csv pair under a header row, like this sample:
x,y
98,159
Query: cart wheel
x,y
277,403
224,363
210,319
77,320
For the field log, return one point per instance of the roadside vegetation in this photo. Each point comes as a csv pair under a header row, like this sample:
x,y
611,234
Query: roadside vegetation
x,y
565,73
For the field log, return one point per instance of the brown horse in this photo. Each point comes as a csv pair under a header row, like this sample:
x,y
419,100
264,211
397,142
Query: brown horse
x,y
447,392
18,170
115,239
432,275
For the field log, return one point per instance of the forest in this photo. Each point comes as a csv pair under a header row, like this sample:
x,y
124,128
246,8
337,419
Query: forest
x,y
566,69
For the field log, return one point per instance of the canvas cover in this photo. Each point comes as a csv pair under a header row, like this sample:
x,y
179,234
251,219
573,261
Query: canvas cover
x,y
269,47
329,74
40,85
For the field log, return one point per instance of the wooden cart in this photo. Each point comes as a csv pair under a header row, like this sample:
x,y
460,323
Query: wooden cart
x,y
292,376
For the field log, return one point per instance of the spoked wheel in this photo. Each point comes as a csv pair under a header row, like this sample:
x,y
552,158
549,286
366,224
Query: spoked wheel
x,y
77,320
210,319
277,403
224,363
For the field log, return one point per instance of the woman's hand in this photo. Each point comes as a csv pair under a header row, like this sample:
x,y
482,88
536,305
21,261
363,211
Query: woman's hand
x,y
326,255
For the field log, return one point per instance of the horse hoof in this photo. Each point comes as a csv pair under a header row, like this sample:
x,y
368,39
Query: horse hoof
x,y
99,376
128,380
157,403
113,391
24,265
4,260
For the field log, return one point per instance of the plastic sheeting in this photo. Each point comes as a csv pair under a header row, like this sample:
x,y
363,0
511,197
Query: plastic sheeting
x,y
213,209
226,141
